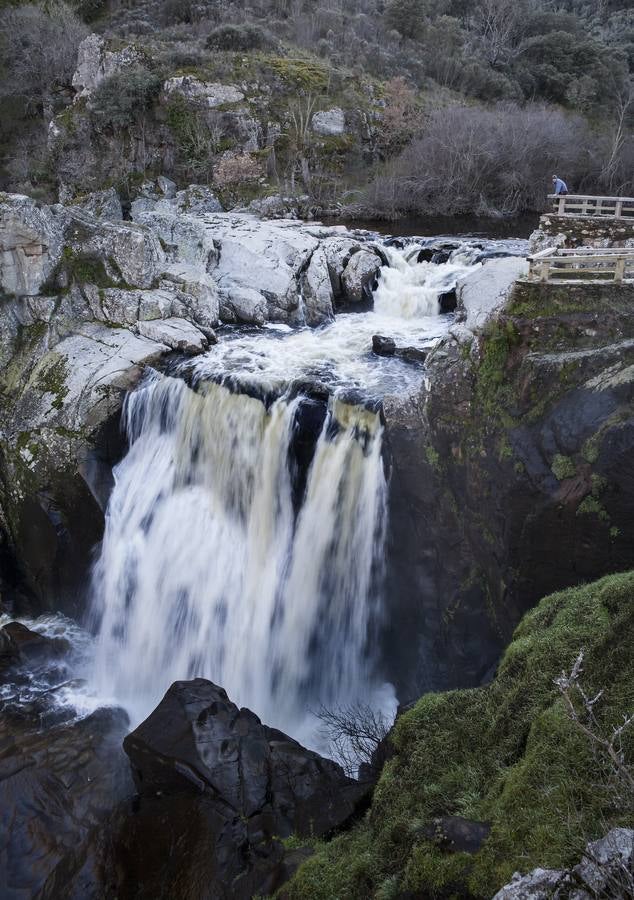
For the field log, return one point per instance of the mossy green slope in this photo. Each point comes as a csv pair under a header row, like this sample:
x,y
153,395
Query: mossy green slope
x,y
506,753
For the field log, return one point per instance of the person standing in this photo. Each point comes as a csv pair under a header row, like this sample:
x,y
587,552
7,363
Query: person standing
x,y
559,186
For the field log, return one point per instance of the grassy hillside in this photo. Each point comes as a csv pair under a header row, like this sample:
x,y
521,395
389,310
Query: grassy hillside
x,y
451,105
508,754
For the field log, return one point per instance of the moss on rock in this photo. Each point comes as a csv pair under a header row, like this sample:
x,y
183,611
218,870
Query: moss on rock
x,y
507,754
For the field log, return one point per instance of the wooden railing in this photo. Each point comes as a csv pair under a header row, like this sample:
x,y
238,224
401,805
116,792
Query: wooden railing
x,y
582,264
582,205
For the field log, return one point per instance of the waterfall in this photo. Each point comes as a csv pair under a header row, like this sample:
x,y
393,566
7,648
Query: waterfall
x,y
211,566
408,289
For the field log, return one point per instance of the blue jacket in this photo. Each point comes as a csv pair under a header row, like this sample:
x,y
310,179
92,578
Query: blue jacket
x,y
560,186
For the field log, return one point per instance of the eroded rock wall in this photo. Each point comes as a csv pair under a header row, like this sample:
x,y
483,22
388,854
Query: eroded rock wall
x,y
512,476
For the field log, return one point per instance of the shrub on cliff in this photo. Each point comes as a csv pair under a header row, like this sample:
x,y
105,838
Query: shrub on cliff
x,y
239,38
121,100
508,754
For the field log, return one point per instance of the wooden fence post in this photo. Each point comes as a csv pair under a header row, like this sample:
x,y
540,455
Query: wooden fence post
x,y
619,269
618,212
562,205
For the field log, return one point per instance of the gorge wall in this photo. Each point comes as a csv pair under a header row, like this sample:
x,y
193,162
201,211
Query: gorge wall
x,y
512,475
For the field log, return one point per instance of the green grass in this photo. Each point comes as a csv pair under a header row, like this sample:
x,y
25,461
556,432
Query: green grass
x,y
506,753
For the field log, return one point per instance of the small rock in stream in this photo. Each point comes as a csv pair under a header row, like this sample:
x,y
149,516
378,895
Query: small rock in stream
x,y
383,346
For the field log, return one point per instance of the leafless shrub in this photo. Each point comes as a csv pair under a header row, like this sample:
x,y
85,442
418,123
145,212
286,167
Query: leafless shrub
x,y
355,734
237,168
469,159
580,707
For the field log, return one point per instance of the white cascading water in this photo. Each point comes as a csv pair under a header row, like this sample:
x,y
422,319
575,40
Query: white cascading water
x,y
205,571
409,290
208,568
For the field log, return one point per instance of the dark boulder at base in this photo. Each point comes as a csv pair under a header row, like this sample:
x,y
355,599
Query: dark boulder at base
x,y
411,354
57,787
454,834
217,791
383,346
20,646
448,301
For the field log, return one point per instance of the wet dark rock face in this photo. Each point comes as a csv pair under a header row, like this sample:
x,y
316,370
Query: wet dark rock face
x,y
59,777
512,476
212,779
198,809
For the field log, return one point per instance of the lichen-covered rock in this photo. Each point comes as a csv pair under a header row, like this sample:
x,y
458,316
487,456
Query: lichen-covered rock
x,y
606,870
31,243
329,122
196,200
204,93
483,291
360,275
581,231
540,884
104,205
178,334
186,239
606,865
128,251
95,62
279,207
317,290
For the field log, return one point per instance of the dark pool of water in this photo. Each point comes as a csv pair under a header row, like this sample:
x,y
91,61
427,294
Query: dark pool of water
x,y
453,226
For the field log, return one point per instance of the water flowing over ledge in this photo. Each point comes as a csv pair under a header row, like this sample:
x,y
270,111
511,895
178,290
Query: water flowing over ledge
x,y
207,569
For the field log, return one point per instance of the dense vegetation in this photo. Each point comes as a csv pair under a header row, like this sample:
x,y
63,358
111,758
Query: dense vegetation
x,y
469,104
509,754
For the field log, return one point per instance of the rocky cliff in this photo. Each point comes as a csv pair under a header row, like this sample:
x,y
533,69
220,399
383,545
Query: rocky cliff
x,y
512,475
88,301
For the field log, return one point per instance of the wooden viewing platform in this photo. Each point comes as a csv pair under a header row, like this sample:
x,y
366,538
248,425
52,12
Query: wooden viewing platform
x,y
586,205
582,264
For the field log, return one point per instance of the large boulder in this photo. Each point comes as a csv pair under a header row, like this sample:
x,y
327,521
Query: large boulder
x,y
187,239
176,333
201,93
32,239
329,122
128,253
95,62
104,205
226,789
317,290
266,257
360,275
483,291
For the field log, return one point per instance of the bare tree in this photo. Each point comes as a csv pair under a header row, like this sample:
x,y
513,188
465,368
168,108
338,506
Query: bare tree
x,y
623,106
39,53
355,734
300,137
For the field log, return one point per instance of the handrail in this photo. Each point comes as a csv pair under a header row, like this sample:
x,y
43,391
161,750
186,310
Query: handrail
x,y
602,265
594,206
588,197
